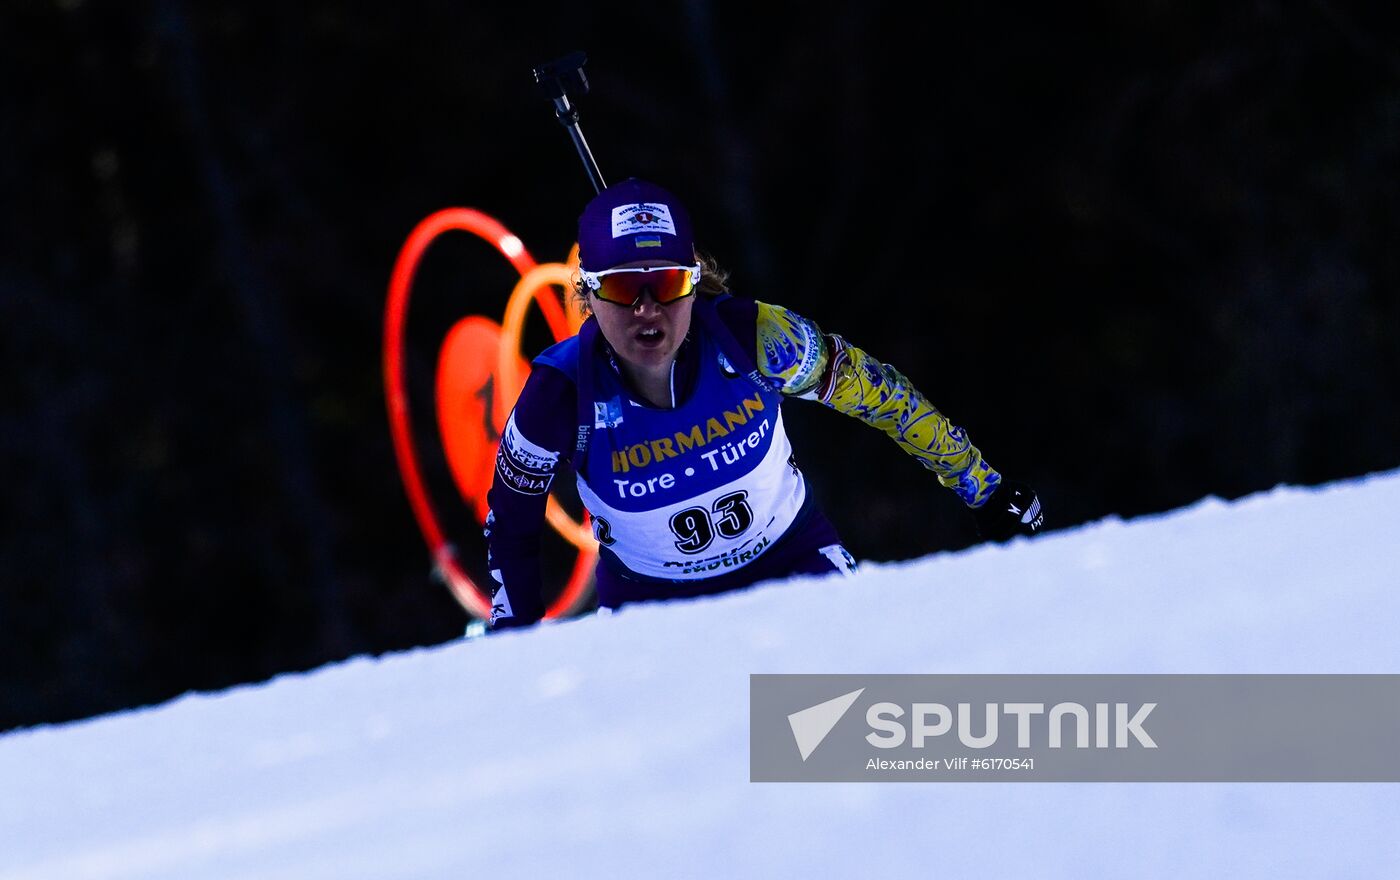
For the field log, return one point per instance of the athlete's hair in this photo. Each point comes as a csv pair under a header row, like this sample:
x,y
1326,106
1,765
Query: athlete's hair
x,y
713,282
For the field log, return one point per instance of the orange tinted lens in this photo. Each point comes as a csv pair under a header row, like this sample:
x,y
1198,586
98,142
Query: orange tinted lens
x,y
664,285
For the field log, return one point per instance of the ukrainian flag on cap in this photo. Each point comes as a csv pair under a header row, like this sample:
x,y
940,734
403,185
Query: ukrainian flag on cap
x,y
645,241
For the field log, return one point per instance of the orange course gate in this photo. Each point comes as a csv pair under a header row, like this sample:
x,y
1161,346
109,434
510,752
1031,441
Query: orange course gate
x,y
480,372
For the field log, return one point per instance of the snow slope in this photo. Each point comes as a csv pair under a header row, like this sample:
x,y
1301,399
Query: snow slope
x,y
618,746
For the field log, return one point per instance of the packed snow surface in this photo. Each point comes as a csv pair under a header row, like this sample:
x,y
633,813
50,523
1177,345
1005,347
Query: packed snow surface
x,y
618,746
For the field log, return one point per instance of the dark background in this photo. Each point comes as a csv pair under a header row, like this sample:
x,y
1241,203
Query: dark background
x,y
1143,252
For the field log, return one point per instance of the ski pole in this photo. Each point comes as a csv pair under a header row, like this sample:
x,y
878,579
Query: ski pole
x,y
558,79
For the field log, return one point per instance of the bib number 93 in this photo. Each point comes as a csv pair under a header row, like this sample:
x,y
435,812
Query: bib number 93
x,y
695,527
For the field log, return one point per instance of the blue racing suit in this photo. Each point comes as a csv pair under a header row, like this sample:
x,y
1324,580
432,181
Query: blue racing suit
x,y
705,496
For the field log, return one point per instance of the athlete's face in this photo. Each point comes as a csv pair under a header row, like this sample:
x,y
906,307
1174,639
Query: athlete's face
x,y
645,335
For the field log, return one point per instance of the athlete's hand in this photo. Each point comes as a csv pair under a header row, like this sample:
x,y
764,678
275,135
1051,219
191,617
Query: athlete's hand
x,y
1012,510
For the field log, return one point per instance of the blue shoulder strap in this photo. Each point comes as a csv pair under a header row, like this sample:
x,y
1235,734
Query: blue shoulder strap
x,y
733,351
587,345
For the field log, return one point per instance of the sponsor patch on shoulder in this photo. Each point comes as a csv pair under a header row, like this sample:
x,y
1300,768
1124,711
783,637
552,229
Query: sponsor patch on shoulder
x,y
792,345
522,465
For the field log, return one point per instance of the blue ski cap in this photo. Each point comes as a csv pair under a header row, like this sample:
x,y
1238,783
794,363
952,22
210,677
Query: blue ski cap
x,y
634,220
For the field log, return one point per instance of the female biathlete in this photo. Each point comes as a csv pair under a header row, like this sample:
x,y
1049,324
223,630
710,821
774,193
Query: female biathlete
x,y
667,406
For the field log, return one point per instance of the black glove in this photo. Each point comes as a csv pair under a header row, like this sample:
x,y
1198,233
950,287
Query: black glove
x,y
1012,510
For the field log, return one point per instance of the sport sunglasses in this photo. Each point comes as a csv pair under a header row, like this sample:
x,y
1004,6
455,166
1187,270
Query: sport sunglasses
x,y
624,287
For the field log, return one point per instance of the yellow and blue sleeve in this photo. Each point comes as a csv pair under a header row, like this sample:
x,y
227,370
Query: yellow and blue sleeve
x,y
811,365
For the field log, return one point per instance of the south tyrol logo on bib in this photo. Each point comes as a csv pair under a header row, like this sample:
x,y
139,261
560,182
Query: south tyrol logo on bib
x,y
642,217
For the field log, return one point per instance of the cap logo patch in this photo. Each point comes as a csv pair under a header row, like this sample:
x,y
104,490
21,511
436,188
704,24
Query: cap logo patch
x,y
642,217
